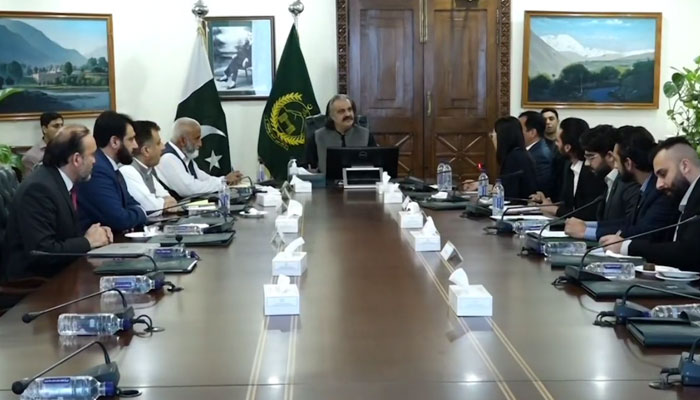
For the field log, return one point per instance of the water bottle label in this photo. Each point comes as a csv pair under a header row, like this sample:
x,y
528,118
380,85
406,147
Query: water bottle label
x,y
56,381
124,285
498,202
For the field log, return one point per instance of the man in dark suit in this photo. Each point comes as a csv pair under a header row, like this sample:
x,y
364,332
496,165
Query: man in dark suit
x,y
653,209
104,198
533,132
677,168
580,185
620,197
551,131
42,214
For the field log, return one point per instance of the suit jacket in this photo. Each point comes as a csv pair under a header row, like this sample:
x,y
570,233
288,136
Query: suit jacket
x,y
682,253
560,165
518,174
105,199
41,218
542,156
654,210
621,202
589,187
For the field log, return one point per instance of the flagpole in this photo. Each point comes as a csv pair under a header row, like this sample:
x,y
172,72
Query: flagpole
x,y
200,10
296,8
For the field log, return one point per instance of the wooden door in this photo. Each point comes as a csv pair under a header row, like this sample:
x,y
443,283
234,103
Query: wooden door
x,y
431,75
461,85
385,71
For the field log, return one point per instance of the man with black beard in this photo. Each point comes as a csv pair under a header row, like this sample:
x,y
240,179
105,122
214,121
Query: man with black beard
x,y
104,198
632,154
620,197
677,168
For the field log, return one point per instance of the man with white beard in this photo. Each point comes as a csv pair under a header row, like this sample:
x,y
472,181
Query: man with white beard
x,y
177,168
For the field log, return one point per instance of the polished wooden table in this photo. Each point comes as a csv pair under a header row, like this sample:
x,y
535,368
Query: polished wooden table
x,y
374,323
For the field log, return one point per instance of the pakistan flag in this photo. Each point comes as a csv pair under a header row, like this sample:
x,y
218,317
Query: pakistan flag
x,y
200,101
282,128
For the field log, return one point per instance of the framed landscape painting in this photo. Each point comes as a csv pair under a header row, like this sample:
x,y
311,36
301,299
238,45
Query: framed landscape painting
x,y
55,62
242,56
591,60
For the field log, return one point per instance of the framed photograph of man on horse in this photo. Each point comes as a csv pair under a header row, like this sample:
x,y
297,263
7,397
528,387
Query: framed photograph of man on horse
x,y
242,56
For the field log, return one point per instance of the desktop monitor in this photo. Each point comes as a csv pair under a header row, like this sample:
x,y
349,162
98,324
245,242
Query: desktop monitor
x,y
337,158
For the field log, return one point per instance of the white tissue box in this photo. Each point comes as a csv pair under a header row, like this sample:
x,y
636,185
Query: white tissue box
x,y
280,301
422,242
472,301
381,187
393,197
268,199
287,223
293,264
302,187
409,220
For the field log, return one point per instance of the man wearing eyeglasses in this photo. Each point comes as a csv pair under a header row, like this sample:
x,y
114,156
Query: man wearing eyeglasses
x,y
633,146
620,197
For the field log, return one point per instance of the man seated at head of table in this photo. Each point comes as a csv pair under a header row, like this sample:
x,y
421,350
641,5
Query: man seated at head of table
x,y
632,153
620,197
341,130
677,168
43,215
177,168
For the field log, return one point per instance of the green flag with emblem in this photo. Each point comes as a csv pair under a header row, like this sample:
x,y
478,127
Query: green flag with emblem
x,y
282,128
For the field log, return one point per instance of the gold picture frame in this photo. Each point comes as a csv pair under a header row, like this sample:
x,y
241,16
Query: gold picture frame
x,y
60,62
591,60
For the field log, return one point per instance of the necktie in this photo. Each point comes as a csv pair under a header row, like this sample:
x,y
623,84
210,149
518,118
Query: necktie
x,y
122,186
74,198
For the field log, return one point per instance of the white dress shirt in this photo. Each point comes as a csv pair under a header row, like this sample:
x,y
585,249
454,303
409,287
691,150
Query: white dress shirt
x,y
174,175
532,144
576,168
139,191
66,180
609,180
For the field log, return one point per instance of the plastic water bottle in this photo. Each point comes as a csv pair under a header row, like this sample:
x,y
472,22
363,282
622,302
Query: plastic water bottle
x,y
292,169
441,177
134,284
564,248
447,180
261,173
68,388
99,324
483,184
612,270
521,227
224,199
499,196
674,311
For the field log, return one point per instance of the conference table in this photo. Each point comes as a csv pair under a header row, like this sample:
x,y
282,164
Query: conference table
x,y
374,324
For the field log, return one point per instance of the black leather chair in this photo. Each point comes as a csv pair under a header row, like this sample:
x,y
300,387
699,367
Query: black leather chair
x,y
10,292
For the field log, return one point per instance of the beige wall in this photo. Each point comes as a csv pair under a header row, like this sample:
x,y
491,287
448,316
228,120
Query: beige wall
x,y
153,40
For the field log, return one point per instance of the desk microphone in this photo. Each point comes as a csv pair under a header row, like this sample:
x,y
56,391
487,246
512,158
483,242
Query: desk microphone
x,y
688,369
128,311
156,275
105,373
503,227
624,309
572,212
663,228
